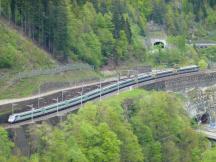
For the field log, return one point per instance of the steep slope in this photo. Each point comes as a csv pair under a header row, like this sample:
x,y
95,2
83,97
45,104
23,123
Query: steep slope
x,y
19,53
103,31
134,126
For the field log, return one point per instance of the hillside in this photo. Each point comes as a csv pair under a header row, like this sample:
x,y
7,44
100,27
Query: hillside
x,y
56,45
135,126
100,32
18,53
103,33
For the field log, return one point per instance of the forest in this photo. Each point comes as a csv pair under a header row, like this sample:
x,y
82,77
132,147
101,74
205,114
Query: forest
x,y
102,31
134,126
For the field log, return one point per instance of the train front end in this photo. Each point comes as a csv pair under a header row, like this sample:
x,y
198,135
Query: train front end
x,y
12,118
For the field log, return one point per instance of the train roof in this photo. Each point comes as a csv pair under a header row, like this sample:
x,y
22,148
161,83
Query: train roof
x,y
188,67
164,71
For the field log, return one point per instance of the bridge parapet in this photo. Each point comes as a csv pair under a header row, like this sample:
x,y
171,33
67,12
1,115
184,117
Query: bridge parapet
x,y
200,79
182,82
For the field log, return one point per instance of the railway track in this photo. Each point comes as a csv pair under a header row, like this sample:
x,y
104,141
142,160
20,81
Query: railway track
x,y
71,109
47,99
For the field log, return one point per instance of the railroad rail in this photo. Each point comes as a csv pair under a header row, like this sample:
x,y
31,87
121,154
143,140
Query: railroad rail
x,y
19,131
60,113
73,108
19,105
143,84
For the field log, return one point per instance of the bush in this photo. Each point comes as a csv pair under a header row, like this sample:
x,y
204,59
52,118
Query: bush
x,y
203,64
7,57
209,53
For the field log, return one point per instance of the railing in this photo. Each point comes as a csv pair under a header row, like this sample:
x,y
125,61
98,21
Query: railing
x,y
54,70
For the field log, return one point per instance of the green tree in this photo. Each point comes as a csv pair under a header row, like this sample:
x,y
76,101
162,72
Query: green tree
x,y
211,19
111,114
208,53
209,155
134,126
90,48
5,146
7,56
178,41
202,64
99,144
171,151
121,46
127,29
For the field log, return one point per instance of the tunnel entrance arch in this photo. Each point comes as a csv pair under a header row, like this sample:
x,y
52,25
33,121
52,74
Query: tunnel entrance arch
x,y
204,118
159,44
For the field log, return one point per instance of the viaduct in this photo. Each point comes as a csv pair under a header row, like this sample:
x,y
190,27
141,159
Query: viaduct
x,y
19,131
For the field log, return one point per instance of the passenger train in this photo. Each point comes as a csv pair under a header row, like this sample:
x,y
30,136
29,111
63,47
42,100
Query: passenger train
x,y
98,92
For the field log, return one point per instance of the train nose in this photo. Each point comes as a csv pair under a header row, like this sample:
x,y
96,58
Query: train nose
x,y
11,119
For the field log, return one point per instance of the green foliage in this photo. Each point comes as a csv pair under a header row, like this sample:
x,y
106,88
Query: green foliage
x,y
208,53
169,57
203,64
209,155
161,128
94,31
18,53
28,86
174,20
211,19
5,145
111,115
86,30
178,41
177,53
172,151
90,48
121,46
107,42
7,57
134,126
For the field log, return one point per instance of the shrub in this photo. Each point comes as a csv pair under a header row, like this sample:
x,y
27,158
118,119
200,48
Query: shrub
x,y
7,57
